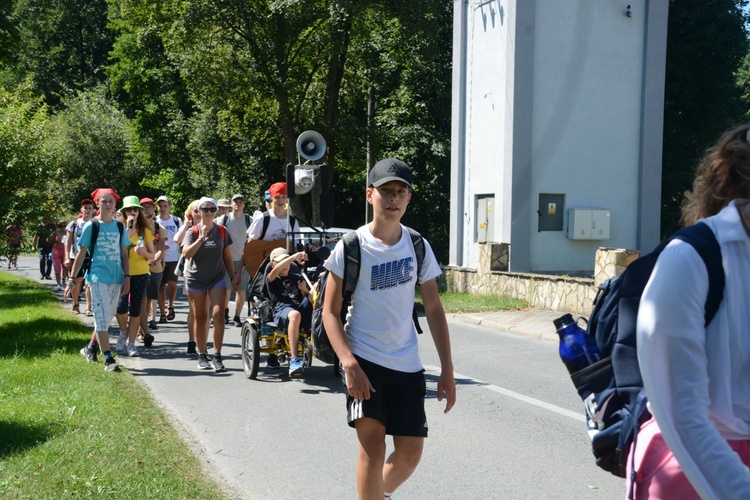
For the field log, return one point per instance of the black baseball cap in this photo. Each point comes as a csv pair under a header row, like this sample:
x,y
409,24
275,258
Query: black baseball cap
x,y
387,170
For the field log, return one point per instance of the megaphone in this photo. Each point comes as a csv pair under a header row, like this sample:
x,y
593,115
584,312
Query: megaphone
x,y
304,178
311,145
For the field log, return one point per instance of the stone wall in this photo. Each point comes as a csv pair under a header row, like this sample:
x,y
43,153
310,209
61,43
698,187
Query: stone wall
x,y
541,291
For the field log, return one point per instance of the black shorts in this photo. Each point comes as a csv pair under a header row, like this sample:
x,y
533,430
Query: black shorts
x,y
169,274
398,401
154,280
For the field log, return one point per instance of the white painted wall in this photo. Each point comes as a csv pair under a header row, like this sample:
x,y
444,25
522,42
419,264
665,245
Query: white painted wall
x,y
586,122
485,108
586,90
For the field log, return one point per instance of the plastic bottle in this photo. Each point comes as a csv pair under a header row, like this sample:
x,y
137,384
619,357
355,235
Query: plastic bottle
x,y
577,349
140,241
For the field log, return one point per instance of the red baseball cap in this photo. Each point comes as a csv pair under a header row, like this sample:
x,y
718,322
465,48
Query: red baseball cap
x,y
145,201
276,189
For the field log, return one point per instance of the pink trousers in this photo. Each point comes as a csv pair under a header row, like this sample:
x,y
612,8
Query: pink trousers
x,y
658,473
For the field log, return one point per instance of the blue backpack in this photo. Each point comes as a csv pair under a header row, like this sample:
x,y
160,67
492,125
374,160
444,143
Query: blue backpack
x,y
612,389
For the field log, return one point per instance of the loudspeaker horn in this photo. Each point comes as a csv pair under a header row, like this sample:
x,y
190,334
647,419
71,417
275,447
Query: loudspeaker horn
x,y
311,145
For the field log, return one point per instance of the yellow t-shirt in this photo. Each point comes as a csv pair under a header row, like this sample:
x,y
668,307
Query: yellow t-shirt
x,y
139,264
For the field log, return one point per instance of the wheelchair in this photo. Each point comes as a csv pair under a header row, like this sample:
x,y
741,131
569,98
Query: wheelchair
x,y
265,337
260,335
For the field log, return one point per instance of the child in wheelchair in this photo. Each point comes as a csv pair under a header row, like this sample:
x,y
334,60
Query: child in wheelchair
x,y
292,308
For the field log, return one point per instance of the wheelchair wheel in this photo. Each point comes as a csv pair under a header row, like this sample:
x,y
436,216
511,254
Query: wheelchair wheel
x,y
250,350
307,352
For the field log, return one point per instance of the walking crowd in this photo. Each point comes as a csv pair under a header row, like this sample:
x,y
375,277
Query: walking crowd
x,y
126,262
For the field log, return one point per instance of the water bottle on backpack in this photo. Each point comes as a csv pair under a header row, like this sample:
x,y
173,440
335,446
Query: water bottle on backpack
x,y
577,349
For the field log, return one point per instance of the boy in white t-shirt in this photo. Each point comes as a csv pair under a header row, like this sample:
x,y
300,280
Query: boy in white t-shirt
x,y
378,348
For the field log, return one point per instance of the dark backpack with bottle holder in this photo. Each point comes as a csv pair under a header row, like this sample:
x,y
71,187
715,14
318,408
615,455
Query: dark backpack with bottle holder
x,y
352,260
612,389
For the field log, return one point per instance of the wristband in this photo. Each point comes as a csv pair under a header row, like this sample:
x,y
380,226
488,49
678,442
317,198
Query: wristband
x,y
126,276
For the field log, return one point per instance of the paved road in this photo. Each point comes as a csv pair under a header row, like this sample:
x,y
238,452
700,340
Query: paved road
x,y
516,432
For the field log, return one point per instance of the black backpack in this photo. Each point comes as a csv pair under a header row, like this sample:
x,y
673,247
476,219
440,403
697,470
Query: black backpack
x,y
267,221
92,246
222,221
612,389
352,259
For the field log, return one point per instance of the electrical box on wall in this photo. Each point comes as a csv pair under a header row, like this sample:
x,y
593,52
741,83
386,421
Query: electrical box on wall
x,y
550,211
485,225
588,224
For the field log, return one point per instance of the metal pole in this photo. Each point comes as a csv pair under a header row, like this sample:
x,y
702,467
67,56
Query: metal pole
x,y
370,154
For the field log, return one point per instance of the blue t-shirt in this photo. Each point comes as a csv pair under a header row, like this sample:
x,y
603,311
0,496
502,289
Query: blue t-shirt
x,y
106,266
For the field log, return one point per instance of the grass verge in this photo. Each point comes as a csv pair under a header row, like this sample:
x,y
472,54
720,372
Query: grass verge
x,y
454,302
67,427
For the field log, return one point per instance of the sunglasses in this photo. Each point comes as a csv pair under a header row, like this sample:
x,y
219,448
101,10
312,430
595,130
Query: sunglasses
x,y
132,209
205,210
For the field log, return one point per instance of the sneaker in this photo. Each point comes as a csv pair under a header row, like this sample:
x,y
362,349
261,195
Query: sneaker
x,y
203,362
272,361
163,319
121,346
217,364
295,367
89,354
237,321
110,365
191,347
152,325
133,351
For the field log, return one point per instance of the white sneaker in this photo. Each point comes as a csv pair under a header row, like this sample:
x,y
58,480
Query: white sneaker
x,y
121,346
133,351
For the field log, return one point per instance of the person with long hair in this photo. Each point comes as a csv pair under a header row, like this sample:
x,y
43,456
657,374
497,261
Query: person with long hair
x,y
140,253
72,235
192,218
207,246
697,376
58,254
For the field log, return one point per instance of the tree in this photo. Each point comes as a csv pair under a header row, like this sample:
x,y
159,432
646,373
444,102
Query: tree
x,y
63,45
148,87
706,42
23,160
90,141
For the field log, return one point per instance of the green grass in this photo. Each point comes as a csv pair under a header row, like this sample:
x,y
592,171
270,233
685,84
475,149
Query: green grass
x,y
454,302
67,427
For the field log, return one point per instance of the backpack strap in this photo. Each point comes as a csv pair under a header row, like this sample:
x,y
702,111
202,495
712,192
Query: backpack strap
x,y
419,249
703,239
266,221
94,237
248,220
176,221
222,232
352,261
222,221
